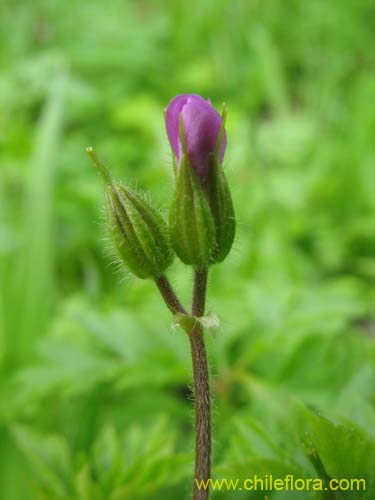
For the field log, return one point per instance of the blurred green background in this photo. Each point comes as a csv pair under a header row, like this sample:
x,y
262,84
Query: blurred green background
x,y
95,399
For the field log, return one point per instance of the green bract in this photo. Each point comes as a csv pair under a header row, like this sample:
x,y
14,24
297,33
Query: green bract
x,y
191,223
222,210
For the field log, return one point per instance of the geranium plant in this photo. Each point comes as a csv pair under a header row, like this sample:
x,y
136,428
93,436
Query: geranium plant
x,y
200,231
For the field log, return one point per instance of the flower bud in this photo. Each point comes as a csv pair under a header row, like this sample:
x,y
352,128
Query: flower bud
x,y
201,124
138,232
197,136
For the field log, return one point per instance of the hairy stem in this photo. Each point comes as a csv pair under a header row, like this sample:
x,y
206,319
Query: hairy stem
x,y
169,295
201,377
201,390
199,294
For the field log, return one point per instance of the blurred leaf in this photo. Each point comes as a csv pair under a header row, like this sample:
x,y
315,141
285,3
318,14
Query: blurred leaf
x,y
49,456
345,450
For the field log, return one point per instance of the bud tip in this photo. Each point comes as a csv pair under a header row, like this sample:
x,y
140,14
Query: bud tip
x,y
224,112
103,172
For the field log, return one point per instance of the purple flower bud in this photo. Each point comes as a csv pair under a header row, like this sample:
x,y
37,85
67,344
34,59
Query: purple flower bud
x,y
201,127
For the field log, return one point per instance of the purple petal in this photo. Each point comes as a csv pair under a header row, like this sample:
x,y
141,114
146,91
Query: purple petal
x,y
201,127
173,110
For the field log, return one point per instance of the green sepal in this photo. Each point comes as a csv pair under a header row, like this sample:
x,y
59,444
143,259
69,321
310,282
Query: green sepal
x,y
191,224
221,205
139,233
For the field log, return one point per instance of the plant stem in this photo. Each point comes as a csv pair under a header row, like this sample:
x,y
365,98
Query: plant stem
x,y
200,373
201,390
199,293
169,295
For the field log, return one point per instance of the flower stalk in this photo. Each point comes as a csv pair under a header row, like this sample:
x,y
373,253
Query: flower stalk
x,y
169,295
202,397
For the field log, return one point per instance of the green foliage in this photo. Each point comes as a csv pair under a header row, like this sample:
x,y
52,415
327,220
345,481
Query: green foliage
x,y
345,450
115,468
94,398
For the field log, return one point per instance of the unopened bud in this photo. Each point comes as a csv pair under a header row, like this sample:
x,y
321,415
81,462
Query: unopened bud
x,y
197,136
138,232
